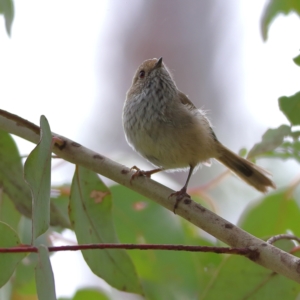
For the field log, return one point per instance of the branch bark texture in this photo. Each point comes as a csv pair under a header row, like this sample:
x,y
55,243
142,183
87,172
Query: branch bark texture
x,y
262,252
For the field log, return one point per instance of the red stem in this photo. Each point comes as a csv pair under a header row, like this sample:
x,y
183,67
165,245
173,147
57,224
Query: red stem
x,y
28,248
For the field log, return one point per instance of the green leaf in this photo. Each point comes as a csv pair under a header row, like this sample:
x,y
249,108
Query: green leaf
x,y
173,274
44,275
290,106
243,152
24,277
8,212
90,215
37,173
276,214
25,233
286,151
297,60
273,9
8,261
7,9
273,144
90,294
239,278
61,202
272,139
11,174
13,184
24,280
6,291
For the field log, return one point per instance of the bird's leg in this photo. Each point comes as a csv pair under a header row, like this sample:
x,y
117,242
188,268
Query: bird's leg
x,y
139,172
182,193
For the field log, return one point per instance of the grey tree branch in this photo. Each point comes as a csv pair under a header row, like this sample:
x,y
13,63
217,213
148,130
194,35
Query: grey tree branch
x,y
263,253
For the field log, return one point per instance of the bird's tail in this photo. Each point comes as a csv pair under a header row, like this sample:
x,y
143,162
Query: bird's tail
x,y
246,170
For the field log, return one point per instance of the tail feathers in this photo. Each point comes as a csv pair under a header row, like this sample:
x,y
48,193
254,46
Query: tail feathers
x,y
246,170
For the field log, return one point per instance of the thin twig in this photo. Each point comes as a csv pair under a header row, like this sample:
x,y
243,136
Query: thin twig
x,y
278,237
216,181
218,250
291,189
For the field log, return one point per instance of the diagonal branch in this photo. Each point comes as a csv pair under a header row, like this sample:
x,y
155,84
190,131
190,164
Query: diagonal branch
x,y
265,254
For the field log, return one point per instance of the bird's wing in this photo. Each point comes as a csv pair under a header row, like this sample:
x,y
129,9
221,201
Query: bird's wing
x,y
186,101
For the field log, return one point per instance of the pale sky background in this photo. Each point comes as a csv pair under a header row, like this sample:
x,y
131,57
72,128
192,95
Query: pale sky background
x,y
49,66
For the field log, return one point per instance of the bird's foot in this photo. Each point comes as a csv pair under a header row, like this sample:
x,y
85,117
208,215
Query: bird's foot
x,y
139,172
180,195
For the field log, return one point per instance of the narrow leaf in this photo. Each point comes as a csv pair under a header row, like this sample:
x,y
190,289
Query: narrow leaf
x,y
91,217
44,275
11,171
8,261
37,173
13,184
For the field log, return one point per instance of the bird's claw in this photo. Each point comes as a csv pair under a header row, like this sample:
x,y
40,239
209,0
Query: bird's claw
x,y
138,173
180,195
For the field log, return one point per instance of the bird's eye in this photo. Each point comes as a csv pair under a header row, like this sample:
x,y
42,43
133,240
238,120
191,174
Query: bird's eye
x,y
142,74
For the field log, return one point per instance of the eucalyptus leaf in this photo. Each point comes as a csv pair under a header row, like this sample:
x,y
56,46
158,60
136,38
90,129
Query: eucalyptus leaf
x,y
276,213
44,275
91,217
14,186
8,261
239,278
37,173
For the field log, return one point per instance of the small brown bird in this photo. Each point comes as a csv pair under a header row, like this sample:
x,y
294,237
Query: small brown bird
x,y
166,128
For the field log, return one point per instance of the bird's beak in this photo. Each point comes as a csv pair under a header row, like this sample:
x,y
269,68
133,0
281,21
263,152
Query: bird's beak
x,y
158,63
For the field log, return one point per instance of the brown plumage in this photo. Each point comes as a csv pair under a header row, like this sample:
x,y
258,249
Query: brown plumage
x,y
165,127
245,169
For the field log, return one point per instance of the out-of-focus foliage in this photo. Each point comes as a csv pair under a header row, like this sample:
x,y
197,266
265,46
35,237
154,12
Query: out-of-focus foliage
x,y
275,143
90,294
260,283
282,142
7,10
273,9
272,139
283,214
290,107
297,60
